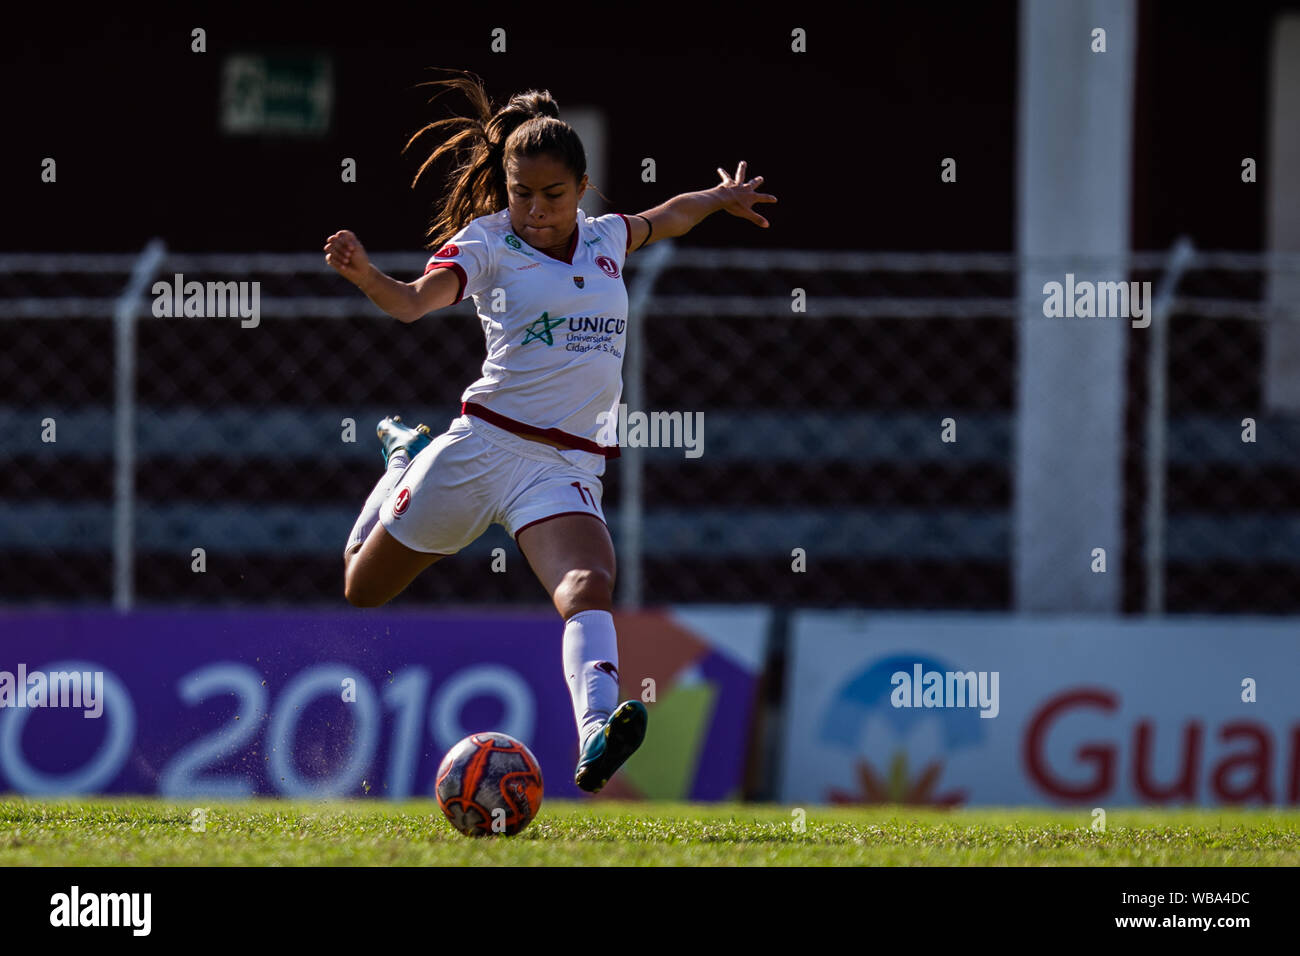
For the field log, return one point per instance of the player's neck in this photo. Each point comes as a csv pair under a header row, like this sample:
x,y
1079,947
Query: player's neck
x,y
561,249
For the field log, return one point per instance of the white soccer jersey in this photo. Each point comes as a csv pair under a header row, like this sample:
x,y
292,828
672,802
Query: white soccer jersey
x,y
555,330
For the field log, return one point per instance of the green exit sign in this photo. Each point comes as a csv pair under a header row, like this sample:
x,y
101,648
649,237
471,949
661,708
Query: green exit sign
x,y
279,94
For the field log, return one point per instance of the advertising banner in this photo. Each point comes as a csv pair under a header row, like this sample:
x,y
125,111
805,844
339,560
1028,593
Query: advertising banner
x,y
988,709
232,704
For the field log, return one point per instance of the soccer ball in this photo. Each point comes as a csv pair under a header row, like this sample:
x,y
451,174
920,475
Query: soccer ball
x,y
488,784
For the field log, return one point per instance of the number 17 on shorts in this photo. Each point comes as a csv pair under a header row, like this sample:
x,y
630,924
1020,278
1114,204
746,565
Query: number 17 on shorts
x,y
585,493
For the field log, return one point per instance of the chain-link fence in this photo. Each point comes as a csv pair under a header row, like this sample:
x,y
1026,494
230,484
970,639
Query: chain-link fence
x,y
1223,533
162,460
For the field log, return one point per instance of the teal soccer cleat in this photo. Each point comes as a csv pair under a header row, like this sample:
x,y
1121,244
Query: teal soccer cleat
x,y
394,435
608,748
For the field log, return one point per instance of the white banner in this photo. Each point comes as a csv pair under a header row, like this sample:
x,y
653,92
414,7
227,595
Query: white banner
x,y
994,709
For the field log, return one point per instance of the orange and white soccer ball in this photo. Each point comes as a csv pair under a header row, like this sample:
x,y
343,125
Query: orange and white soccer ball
x,y
489,784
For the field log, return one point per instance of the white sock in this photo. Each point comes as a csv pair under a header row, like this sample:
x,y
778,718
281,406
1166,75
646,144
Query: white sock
x,y
370,511
591,669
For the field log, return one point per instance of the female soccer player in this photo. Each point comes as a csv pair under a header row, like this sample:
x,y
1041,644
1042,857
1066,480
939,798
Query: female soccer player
x,y
547,282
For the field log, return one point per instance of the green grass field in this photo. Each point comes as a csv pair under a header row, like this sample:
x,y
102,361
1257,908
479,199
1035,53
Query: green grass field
x,y
146,832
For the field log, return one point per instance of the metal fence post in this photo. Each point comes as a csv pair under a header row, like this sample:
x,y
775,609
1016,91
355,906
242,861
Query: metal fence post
x,y
124,313
631,518
1180,257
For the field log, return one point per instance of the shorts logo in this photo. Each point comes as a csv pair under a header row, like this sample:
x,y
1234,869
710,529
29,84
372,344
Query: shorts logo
x,y
607,266
446,252
403,500
579,281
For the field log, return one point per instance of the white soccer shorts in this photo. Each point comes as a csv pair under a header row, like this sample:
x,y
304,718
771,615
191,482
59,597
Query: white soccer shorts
x,y
475,475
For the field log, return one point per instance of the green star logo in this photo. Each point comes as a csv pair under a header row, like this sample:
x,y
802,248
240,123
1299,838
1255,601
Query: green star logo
x,y
540,330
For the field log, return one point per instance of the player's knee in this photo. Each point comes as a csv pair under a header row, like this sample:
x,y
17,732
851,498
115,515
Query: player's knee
x,y
359,597
587,588
359,593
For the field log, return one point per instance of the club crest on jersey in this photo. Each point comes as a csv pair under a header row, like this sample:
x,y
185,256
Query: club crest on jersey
x,y
579,281
447,252
607,266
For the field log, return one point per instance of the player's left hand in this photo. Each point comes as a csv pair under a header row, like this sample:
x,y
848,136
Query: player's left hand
x,y
738,195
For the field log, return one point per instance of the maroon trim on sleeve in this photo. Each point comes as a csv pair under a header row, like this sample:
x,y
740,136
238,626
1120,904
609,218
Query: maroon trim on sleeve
x,y
575,442
628,225
460,275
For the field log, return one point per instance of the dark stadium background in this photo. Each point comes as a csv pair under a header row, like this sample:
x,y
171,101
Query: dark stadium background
x,y
850,139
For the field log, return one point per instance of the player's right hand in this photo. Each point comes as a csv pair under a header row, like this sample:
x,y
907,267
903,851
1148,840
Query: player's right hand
x,y
347,256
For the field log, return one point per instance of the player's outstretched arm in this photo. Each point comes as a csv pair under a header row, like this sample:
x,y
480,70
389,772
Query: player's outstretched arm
x,y
683,213
405,301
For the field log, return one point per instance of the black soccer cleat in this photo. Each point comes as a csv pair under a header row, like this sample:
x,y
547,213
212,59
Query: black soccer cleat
x,y
608,748
393,435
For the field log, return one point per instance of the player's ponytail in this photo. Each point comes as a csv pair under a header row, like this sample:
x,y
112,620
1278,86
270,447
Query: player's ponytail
x,y
527,125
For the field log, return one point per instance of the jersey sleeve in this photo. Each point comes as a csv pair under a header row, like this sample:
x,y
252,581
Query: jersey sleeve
x,y
469,255
618,233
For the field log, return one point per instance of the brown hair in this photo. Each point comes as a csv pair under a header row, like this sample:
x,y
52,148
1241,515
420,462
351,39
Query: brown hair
x,y
528,125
